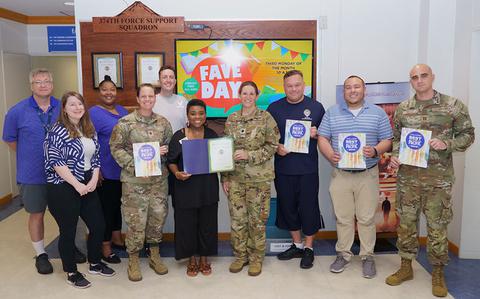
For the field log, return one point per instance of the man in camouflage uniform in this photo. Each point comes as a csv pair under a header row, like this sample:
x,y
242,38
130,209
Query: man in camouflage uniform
x,y
144,199
248,187
428,189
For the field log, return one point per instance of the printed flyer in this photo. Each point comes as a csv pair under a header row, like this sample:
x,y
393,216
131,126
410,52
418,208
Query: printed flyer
x,y
415,147
350,146
297,136
147,159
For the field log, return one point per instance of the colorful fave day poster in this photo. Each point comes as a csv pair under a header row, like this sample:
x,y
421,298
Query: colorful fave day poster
x,y
415,147
350,146
147,159
212,70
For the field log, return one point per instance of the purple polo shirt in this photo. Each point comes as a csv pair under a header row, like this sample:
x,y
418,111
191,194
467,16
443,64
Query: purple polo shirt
x,y
26,124
104,121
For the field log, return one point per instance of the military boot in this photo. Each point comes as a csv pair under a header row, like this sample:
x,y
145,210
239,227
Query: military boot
x,y
237,265
155,263
403,274
254,269
439,287
134,273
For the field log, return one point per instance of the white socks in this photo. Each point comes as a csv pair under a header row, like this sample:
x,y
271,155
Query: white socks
x,y
299,245
39,247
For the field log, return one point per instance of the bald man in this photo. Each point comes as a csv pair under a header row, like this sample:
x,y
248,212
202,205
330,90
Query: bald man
x,y
428,190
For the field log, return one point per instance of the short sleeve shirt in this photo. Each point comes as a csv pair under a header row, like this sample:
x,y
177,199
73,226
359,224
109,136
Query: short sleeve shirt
x,y
26,124
307,110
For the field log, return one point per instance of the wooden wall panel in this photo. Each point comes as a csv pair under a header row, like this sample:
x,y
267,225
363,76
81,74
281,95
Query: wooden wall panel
x,y
129,43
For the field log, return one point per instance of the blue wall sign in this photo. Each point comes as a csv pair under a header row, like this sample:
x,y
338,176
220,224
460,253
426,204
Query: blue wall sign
x,y
61,39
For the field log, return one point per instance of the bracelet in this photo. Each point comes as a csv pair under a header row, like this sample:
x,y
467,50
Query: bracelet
x,y
376,153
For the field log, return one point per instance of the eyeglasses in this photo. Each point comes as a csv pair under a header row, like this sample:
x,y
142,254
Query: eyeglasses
x,y
40,83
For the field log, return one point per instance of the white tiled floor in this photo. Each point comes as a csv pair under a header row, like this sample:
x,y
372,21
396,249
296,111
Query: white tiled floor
x,y
18,278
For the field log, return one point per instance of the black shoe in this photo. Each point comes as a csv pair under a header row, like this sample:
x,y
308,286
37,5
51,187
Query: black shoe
x,y
307,259
80,258
112,259
43,264
78,280
290,253
101,269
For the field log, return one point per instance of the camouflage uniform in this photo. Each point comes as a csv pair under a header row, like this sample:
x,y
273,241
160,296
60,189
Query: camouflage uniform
x,y
249,194
144,199
429,189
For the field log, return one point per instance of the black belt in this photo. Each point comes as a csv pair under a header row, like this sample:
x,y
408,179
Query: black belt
x,y
357,170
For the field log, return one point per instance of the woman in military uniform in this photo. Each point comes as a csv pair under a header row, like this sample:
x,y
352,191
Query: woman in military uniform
x,y
144,198
255,134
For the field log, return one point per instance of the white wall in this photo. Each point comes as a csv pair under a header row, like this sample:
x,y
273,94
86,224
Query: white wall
x,y
13,54
469,241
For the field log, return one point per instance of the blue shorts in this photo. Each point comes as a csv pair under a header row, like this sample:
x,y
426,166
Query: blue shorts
x,y
34,197
297,203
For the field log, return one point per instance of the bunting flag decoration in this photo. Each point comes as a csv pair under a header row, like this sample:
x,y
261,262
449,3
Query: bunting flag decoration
x,y
293,54
214,46
283,51
194,53
204,50
260,45
303,56
274,45
249,46
183,54
238,46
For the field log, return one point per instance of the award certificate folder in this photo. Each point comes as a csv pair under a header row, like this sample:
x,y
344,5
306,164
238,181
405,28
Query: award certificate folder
x,y
147,159
350,147
415,147
202,156
297,136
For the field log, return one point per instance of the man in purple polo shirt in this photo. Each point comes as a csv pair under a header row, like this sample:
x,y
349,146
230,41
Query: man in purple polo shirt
x,y
24,131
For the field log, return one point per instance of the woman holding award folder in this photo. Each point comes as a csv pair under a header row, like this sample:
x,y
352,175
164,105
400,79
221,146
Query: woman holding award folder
x,y
104,117
255,134
139,144
194,197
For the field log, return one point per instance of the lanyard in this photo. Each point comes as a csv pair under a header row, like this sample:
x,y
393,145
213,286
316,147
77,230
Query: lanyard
x,y
46,123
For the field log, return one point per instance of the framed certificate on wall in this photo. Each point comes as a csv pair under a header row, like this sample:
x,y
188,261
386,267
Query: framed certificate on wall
x,y
147,66
107,64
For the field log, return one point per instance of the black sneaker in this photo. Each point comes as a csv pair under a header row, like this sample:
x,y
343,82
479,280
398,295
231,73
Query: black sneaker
x,y
290,253
101,269
43,264
307,259
78,280
80,258
112,259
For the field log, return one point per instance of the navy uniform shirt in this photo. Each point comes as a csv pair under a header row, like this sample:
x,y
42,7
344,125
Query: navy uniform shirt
x,y
307,110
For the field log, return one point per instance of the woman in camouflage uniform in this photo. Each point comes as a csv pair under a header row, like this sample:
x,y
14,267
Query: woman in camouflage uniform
x,y
144,199
255,134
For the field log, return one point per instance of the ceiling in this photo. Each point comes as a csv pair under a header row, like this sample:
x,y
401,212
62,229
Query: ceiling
x,y
39,7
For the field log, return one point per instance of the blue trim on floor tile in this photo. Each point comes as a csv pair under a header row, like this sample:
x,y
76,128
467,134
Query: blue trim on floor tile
x,y
9,209
461,275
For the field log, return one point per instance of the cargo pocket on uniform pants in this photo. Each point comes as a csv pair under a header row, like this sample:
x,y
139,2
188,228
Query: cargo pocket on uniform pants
x,y
447,213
